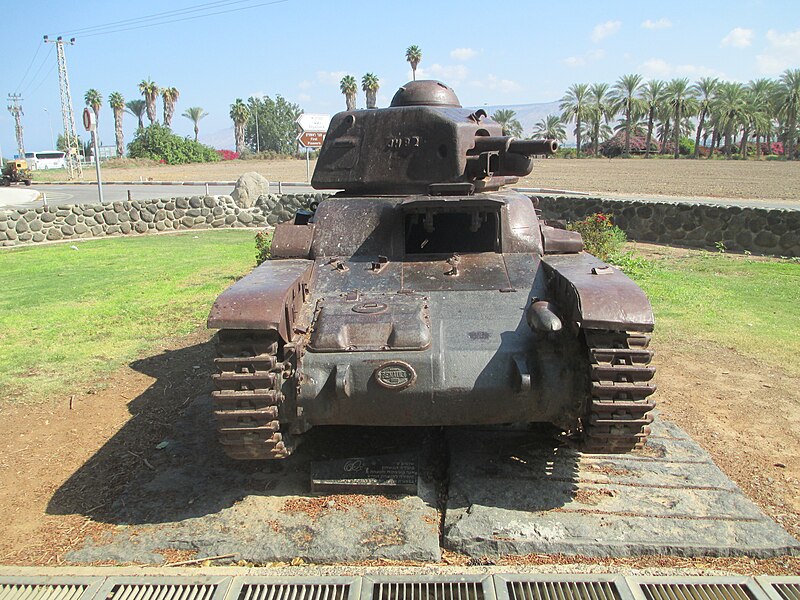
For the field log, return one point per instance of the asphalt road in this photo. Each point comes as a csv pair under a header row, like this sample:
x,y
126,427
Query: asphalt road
x,y
87,194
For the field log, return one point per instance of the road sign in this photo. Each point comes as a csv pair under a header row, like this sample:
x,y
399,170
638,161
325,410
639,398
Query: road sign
x,y
313,122
89,119
311,139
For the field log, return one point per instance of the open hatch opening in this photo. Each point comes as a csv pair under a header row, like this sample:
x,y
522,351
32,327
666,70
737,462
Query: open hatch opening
x,y
448,231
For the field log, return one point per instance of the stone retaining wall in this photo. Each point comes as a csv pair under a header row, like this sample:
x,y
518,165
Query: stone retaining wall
x,y
66,222
698,225
758,230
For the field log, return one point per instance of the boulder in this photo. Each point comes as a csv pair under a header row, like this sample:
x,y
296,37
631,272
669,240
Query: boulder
x,y
248,188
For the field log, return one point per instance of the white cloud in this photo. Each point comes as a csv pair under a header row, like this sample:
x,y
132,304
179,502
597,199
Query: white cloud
x,y
449,74
739,37
463,53
493,82
603,30
304,98
330,77
659,68
782,53
662,23
584,59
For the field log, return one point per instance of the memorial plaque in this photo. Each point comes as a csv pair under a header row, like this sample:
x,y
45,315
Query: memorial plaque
x,y
388,474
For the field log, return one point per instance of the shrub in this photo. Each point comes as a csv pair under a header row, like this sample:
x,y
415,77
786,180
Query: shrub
x,y
263,246
566,152
616,145
158,143
228,154
600,236
686,146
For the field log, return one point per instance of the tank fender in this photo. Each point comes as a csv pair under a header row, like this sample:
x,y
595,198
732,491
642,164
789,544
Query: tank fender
x,y
594,295
269,298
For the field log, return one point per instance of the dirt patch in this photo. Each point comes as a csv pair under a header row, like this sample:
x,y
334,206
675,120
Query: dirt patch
x,y
316,507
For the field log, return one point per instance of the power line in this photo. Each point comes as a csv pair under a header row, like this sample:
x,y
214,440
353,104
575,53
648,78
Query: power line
x,y
47,75
169,13
211,14
36,74
35,54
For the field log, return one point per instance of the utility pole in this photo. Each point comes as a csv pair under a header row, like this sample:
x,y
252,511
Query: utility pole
x,y
15,108
73,161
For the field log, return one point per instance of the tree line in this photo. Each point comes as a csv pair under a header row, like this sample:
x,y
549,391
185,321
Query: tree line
x,y
659,115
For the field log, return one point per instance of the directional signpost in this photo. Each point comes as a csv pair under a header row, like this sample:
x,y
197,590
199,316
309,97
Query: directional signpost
x,y
313,128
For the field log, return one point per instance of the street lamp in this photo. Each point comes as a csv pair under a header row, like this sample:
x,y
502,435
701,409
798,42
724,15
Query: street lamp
x,y
50,122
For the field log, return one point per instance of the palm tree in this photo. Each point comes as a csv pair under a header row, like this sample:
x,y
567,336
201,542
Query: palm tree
x,y
550,128
789,94
704,89
94,100
150,92
652,96
170,96
349,87
370,84
599,113
574,107
137,108
625,99
194,114
682,102
414,56
508,119
240,114
117,104
761,91
731,109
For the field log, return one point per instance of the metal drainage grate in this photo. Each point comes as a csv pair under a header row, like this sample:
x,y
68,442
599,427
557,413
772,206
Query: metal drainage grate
x,y
48,588
164,588
269,588
781,588
428,588
561,587
700,588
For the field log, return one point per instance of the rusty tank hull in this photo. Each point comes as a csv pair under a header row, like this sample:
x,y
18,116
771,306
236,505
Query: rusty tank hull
x,y
444,300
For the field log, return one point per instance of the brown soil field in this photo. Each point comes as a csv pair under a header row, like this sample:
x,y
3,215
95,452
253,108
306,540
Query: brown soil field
x,y
762,180
741,411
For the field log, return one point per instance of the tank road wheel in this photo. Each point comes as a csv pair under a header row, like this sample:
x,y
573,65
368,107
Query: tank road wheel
x,y
247,395
618,415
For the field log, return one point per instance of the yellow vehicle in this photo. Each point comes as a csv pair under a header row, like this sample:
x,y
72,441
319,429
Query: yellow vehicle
x,y
16,171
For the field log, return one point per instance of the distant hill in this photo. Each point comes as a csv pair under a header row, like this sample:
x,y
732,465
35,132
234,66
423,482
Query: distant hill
x,y
527,115
221,140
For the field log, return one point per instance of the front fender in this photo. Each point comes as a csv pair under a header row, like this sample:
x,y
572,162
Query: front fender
x,y
269,298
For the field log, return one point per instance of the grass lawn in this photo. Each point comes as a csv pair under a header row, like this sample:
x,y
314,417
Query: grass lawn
x,y
744,303
68,317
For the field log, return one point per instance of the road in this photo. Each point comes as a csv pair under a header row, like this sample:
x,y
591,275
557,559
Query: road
x,y
87,194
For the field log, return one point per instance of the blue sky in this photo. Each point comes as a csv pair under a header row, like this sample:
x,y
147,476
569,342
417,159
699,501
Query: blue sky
x,y
490,53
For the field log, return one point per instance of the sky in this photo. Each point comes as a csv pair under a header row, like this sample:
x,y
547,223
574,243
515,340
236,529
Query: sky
x,y
512,52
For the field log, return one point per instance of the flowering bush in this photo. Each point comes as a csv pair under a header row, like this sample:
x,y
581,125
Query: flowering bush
x,y
263,246
600,236
616,145
228,154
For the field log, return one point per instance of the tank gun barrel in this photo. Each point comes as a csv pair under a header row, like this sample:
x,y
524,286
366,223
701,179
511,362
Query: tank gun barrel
x,y
506,143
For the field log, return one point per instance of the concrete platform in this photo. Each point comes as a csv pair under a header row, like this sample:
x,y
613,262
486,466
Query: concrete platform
x,y
515,493
510,492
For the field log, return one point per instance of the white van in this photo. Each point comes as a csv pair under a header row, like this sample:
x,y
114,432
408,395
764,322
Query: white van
x,y
49,159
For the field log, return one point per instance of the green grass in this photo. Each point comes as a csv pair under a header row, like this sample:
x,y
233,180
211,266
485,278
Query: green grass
x,y
750,305
70,316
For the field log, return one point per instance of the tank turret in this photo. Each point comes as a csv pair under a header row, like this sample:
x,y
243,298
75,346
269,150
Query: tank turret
x,y
424,143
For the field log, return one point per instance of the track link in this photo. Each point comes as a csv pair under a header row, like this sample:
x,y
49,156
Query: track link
x,y
618,415
247,395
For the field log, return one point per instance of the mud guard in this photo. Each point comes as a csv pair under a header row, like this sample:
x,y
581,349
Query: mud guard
x,y
269,298
595,295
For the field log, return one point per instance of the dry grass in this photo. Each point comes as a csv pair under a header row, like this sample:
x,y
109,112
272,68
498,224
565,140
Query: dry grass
x,y
656,177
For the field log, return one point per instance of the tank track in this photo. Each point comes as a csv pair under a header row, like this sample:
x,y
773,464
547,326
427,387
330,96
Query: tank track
x,y
618,416
247,395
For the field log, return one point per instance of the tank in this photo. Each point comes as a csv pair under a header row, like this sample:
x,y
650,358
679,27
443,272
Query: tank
x,y
425,292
